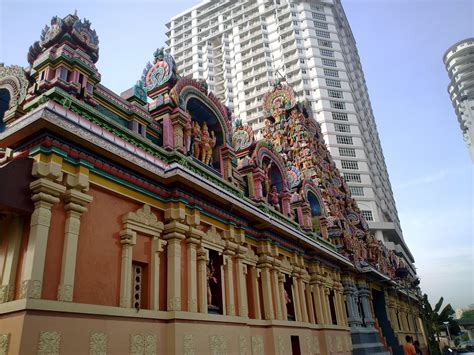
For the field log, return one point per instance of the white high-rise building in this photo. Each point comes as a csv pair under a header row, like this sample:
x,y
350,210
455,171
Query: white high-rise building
x,y
459,61
241,48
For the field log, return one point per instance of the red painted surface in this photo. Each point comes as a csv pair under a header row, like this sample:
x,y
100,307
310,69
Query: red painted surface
x,y
99,250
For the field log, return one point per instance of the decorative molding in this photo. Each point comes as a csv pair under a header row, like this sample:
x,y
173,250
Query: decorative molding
x,y
142,344
281,345
144,216
4,343
30,289
257,345
348,343
243,347
6,293
338,343
329,343
98,344
313,345
65,293
188,345
218,345
174,304
49,343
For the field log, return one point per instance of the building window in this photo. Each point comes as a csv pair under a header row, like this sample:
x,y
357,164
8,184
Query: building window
x,y
63,73
331,72
356,190
352,177
317,7
329,62
347,152
333,83
324,43
322,25
337,105
321,17
344,140
350,164
367,214
345,128
326,52
322,34
340,116
336,94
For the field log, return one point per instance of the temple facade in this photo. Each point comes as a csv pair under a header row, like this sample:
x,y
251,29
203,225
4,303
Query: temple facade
x,y
153,222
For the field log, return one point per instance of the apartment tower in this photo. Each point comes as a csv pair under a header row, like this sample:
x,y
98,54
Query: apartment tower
x,y
241,48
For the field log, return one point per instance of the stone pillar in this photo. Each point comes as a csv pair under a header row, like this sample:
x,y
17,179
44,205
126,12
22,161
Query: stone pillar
x,y
354,319
364,299
342,307
202,258
256,292
296,299
281,287
265,267
178,121
156,249
242,285
229,283
45,194
128,239
278,300
309,302
174,233
75,207
192,244
228,155
318,304
301,292
15,233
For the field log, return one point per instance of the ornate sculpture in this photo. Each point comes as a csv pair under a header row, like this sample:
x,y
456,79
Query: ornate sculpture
x,y
210,277
196,140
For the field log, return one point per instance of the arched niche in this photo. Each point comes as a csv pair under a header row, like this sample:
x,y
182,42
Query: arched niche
x,y
316,206
273,168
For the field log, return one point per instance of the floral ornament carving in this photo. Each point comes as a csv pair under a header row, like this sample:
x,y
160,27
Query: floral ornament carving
x,y
142,344
4,343
218,345
98,344
257,345
281,345
313,345
144,216
13,78
243,346
49,343
188,345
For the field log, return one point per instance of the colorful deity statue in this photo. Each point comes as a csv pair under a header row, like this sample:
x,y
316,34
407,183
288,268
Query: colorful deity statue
x,y
266,170
210,277
196,137
274,198
205,143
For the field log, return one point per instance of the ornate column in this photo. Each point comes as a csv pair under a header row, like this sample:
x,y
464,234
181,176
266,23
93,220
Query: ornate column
x,y
241,282
364,299
309,303
278,300
258,178
178,121
228,155
304,309
192,243
285,202
281,287
265,266
128,239
45,194
318,301
340,301
156,249
229,283
256,292
15,233
174,233
354,319
202,259
296,298
75,206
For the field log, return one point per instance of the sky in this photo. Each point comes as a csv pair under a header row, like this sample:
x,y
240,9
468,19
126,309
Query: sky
x,y
401,44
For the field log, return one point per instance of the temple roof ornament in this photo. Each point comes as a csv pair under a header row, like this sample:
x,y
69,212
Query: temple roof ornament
x,y
71,28
160,72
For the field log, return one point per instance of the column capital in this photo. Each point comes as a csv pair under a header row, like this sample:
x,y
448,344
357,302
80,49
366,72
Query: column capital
x,y
128,237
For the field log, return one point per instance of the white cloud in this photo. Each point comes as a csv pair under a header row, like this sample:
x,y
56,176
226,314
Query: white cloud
x,y
427,179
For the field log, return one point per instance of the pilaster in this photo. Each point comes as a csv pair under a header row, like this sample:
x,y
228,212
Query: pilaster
x,y
45,194
75,202
202,260
15,232
128,239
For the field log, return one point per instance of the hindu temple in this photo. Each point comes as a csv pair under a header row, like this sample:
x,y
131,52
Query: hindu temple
x,y
154,222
